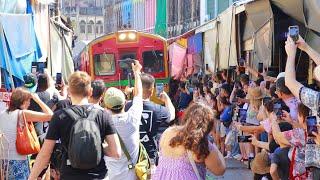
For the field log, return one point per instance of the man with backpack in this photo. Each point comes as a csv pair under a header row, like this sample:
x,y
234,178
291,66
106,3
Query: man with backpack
x,y
82,130
127,126
155,118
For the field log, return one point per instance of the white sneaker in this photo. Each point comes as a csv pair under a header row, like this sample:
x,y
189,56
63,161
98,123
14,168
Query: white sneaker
x,y
228,156
237,157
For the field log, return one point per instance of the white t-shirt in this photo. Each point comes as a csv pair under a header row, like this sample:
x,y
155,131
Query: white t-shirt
x,y
127,125
8,127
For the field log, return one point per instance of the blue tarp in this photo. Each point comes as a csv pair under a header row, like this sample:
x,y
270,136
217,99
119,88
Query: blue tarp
x,y
18,65
195,44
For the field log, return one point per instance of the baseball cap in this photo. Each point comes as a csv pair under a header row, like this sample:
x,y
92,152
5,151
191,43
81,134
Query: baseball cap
x,y
114,99
280,75
30,82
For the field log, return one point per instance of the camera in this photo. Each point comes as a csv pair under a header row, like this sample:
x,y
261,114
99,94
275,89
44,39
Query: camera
x,y
244,139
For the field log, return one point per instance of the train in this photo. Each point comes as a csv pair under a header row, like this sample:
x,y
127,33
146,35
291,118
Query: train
x,y
109,58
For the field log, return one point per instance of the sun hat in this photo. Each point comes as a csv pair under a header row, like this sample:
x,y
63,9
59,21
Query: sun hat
x,y
114,99
30,82
261,163
255,93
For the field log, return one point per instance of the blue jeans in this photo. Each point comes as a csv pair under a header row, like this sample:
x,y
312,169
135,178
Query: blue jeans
x,y
235,148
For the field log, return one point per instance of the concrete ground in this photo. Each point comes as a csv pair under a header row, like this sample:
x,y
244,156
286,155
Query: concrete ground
x,y
236,170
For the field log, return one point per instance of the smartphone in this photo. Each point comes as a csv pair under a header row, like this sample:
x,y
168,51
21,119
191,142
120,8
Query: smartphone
x,y
244,139
242,115
159,89
312,125
294,33
268,85
260,67
41,66
34,70
129,80
59,78
277,110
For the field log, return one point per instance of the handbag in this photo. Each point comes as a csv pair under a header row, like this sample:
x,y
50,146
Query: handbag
x,y
27,141
143,167
193,164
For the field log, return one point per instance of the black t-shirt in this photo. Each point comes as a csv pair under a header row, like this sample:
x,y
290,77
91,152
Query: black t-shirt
x,y
154,120
63,104
280,157
60,127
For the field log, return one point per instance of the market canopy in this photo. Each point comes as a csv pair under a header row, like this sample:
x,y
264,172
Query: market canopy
x,y
306,12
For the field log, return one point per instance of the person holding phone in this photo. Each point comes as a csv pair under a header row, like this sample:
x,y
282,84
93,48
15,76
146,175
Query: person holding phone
x,y
295,138
155,118
307,96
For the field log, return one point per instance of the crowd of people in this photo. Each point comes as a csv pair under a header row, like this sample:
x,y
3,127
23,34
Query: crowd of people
x,y
267,120
88,131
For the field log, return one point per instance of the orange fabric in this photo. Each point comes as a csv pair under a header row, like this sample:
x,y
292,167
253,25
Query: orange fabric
x,y
182,42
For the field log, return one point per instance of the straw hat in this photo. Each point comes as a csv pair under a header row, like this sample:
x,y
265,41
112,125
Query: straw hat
x,y
261,163
255,93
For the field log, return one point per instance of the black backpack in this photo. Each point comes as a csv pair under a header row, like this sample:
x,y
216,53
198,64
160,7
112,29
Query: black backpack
x,y
84,149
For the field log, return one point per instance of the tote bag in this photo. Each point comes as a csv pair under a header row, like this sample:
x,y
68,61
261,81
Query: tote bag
x,y
27,141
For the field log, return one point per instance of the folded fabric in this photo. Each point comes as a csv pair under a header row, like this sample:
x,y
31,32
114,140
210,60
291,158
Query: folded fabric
x,y
19,32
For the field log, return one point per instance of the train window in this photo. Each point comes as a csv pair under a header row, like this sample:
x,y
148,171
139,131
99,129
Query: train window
x,y
104,64
153,61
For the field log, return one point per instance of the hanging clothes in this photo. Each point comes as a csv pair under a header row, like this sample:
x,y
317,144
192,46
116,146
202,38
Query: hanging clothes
x,y
41,26
177,55
13,6
60,60
18,48
190,63
19,33
182,42
195,44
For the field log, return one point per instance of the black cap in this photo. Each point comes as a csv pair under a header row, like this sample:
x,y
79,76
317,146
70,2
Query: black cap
x,y
30,82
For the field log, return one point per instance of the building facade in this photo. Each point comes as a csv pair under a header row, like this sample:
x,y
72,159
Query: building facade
x,y
93,18
130,14
87,17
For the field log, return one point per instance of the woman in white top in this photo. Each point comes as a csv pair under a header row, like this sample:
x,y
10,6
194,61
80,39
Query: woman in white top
x,y
14,165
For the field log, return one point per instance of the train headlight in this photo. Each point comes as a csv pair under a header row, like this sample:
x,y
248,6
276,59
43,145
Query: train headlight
x,y
122,36
132,36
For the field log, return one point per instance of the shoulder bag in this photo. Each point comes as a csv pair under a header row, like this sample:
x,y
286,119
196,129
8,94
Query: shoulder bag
x,y
143,167
193,164
27,141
